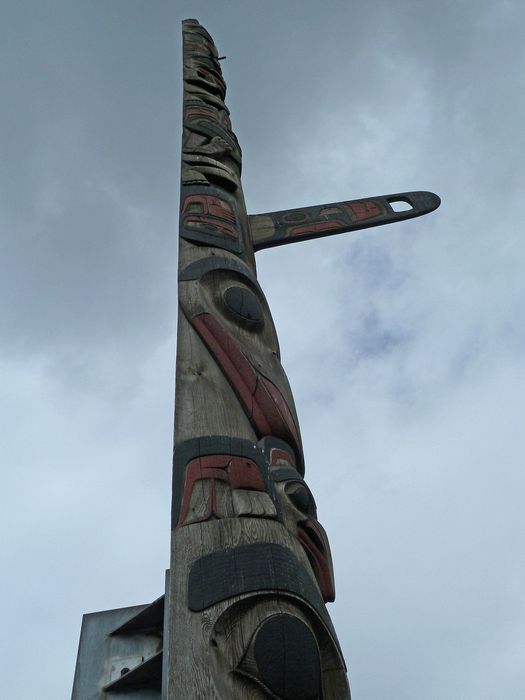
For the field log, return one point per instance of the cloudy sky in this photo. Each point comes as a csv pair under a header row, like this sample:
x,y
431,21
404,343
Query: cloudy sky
x,y
404,345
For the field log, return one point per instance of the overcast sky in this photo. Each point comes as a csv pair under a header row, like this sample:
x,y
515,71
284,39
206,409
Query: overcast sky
x,y
404,345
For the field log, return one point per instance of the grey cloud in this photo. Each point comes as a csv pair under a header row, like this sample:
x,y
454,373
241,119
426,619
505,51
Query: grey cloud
x,y
404,346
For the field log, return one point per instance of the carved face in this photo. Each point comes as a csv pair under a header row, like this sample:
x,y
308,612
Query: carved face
x,y
271,648
225,305
299,514
220,478
277,654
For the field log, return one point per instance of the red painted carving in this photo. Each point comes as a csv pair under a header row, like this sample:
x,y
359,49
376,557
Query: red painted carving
x,y
210,113
212,213
210,205
277,455
312,537
364,209
239,472
266,388
220,229
207,112
262,401
316,228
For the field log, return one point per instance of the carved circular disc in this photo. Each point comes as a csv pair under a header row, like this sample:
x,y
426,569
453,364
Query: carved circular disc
x,y
243,305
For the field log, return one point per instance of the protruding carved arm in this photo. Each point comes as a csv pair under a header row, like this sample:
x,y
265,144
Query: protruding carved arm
x,y
292,225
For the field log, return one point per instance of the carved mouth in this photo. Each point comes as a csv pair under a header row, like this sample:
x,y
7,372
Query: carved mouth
x,y
313,543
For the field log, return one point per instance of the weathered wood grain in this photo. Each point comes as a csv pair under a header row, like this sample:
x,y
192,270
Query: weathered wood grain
x,y
250,564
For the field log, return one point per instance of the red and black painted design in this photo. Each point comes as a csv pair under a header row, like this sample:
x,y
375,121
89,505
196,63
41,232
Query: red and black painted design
x,y
237,472
251,569
299,513
237,510
268,471
365,209
203,72
280,227
313,538
210,217
211,157
197,108
254,568
232,461
263,403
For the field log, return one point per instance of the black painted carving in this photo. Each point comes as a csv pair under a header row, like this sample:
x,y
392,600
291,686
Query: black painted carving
x,y
243,306
287,658
286,474
201,267
248,569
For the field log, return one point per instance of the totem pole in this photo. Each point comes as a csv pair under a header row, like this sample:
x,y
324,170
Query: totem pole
x,y
250,565
244,615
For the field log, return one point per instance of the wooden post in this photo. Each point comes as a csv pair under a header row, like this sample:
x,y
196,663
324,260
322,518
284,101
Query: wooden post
x,y
250,564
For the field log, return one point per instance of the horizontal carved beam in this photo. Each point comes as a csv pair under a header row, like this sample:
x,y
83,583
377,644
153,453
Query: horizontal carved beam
x,y
293,225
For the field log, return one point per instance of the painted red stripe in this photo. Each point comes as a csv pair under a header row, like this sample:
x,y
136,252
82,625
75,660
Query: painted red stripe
x,y
318,227
262,401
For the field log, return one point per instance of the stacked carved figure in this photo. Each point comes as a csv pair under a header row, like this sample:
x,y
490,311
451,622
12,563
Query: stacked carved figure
x,y
251,568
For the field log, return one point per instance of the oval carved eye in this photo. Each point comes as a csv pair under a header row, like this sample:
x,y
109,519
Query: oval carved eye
x,y
243,305
301,497
287,658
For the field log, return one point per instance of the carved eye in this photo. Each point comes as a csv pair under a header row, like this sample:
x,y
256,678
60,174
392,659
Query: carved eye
x,y
301,498
286,659
243,305
269,646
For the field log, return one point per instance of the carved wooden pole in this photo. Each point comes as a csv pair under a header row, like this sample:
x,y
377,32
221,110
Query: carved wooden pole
x,y
250,564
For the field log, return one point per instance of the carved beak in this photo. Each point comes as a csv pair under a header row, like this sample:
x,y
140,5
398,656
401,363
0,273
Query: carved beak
x,y
315,543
